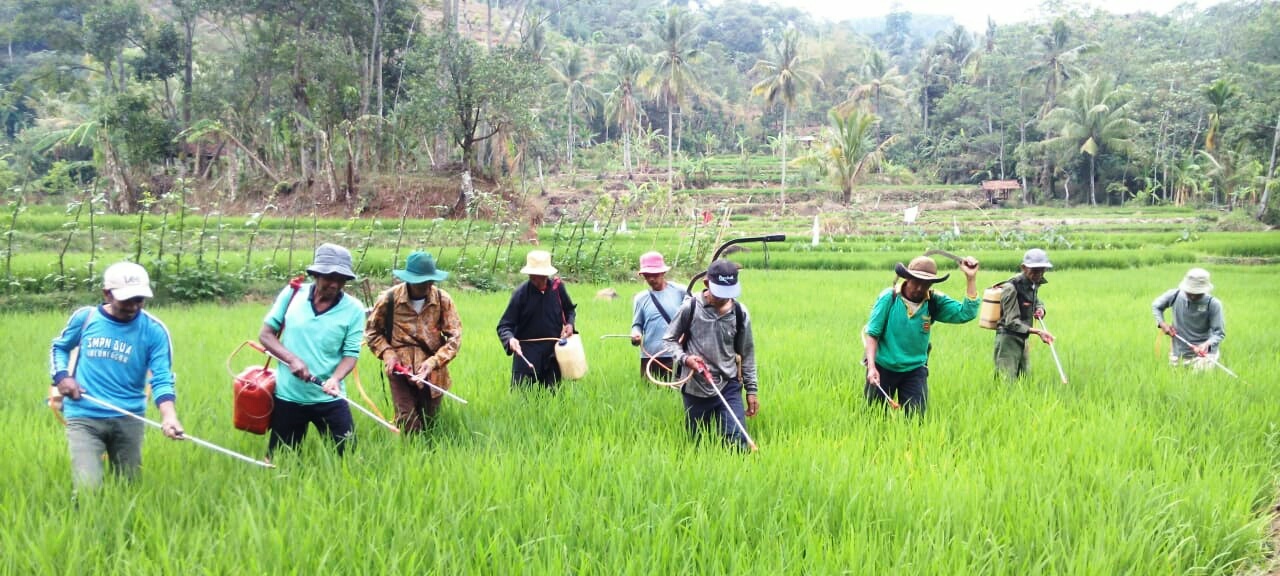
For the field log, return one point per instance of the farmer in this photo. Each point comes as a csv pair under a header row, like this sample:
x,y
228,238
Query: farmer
x,y
1197,318
1020,307
653,310
415,324
539,313
118,344
321,344
712,331
897,333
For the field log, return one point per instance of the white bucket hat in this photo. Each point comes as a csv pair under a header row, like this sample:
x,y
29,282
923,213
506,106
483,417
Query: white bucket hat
x,y
1196,282
538,263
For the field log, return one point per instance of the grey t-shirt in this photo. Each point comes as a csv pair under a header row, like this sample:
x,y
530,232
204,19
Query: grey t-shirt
x,y
711,336
1199,322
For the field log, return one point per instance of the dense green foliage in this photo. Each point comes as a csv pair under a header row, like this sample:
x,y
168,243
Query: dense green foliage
x,y
325,96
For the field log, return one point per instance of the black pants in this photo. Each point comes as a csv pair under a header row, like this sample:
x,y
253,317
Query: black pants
x,y
546,371
663,368
910,388
710,413
289,421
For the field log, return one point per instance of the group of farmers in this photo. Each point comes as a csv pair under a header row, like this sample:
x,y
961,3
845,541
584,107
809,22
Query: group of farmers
x,y
701,343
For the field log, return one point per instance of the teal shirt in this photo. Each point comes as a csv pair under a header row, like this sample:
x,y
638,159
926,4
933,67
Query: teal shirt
x,y
903,338
321,341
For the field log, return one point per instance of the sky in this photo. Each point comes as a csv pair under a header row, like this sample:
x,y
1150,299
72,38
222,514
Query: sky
x,y
970,13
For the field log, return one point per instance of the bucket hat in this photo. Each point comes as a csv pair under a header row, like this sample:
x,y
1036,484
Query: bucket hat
x,y
652,263
1036,258
331,259
538,263
126,280
722,279
921,268
1196,282
420,267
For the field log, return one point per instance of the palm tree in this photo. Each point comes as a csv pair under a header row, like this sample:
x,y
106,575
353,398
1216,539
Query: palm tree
x,y
1218,94
880,84
570,70
626,67
784,80
1056,65
1093,119
674,77
849,149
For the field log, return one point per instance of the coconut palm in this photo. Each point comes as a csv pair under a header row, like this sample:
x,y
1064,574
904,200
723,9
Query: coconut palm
x,y
570,70
674,76
626,67
1055,65
849,147
783,80
1093,119
880,85
1219,94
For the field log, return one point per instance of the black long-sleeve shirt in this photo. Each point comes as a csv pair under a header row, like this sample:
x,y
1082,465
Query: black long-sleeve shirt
x,y
533,313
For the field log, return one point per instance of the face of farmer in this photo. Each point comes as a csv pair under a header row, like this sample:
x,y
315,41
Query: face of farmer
x,y
538,281
915,290
656,282
328,286
125,310
1035,275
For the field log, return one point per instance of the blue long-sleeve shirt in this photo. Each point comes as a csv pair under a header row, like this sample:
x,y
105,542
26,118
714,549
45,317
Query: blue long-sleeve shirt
x,y
113,361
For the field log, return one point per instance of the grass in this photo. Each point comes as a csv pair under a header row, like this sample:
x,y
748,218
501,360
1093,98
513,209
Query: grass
x,y
1132,468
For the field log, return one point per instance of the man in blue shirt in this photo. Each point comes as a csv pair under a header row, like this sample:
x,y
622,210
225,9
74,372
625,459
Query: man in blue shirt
x,y
318,335
654,309
117,342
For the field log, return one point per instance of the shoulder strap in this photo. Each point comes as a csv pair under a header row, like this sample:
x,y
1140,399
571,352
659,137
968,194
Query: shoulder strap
x,y
295,283
388,314
658,305
557,287
740,334
72,369
933,307
893,298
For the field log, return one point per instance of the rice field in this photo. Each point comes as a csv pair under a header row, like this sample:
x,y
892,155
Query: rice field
x,y
1131,468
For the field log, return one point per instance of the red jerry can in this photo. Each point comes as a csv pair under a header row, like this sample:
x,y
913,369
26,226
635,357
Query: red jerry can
x,y
254,388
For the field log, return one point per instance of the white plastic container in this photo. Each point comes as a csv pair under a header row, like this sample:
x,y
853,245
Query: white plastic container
x,y
571,358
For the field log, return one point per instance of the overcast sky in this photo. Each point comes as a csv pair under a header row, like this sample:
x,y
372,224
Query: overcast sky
x,y
970,13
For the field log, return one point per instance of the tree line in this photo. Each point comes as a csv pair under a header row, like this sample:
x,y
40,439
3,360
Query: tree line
x,y
331,97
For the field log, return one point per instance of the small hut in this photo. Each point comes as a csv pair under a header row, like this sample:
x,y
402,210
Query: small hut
x,y
998,190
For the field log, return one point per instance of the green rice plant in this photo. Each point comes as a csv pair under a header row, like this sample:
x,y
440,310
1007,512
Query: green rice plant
x,y
1131,468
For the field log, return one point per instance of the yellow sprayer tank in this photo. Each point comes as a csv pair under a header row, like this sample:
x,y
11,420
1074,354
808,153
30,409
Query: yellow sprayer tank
x,y
989,312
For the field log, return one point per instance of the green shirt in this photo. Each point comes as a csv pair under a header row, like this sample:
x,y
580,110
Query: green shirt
x,y
320,340
903,337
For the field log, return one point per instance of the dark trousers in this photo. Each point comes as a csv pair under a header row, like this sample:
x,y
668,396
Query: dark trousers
x,y
910,388
415,407
663,368
546,371
289,421
703,413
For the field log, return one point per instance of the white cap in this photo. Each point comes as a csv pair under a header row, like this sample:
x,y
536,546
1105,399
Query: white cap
x,y
126,280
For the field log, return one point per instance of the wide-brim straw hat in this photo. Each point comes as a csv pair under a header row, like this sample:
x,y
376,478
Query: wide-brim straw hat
x,y
420,267
538,263
1196,282
921,268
